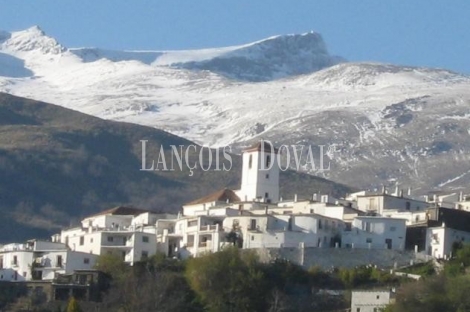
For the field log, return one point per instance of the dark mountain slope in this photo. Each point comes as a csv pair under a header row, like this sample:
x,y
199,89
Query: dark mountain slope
x,y
58,165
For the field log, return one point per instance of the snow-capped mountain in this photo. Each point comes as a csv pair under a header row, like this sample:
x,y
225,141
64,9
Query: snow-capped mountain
x,y
389,123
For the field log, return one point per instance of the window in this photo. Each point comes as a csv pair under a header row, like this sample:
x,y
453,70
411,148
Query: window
x,y
192,223
408,205
358,310
110,239
86,260
267,176
311,210
15,260
378,296
268,161
91,240
319,224
266,195
145,239
59,261
368,240
82,240
145,254
250,162
252,237
25,274
253,224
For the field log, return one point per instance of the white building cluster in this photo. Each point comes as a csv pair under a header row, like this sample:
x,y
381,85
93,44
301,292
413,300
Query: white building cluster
x,y
41,260
252,217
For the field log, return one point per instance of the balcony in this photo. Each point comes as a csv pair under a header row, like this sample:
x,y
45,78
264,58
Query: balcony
x,y
206,228
255,228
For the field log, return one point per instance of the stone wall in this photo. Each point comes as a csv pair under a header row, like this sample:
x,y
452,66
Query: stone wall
x,y
327,258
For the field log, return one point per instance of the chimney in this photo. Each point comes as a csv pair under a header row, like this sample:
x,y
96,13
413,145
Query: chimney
x,y
401,193
295,198
461,196
315,197
383,189
409,191
280,199
266,210
396,190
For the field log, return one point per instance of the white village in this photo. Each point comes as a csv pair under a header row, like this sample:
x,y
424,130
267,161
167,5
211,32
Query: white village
x,y
388,229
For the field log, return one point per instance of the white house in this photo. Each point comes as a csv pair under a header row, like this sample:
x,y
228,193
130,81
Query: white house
x,y
446,200
199,234
276,231
446,227
377,203
127,232
41,260
371,301
463,203
375,233
440,240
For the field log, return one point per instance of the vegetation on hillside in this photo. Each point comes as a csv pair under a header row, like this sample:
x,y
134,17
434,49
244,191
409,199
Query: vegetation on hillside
x,y
447,291
230,280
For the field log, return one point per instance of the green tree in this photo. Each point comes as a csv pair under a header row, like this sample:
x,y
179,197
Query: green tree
x,y
112,265
228,281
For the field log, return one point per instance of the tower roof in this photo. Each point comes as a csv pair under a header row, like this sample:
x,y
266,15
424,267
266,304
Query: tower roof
x,y
120,210
221,195
268,147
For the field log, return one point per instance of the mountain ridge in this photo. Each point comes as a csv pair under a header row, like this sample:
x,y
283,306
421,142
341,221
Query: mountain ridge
x,y
414,117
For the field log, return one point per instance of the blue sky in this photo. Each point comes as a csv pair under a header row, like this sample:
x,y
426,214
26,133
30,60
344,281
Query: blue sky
x,y
418,32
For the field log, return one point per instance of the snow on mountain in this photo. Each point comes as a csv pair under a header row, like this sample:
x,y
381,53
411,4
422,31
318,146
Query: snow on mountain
x,y
33,39
264,60
389,123
272,58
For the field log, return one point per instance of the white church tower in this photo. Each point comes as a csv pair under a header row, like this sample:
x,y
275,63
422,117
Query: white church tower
x,y
260,173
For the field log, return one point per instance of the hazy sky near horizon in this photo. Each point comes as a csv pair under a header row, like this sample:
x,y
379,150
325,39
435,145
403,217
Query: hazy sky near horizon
x,y
418,32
